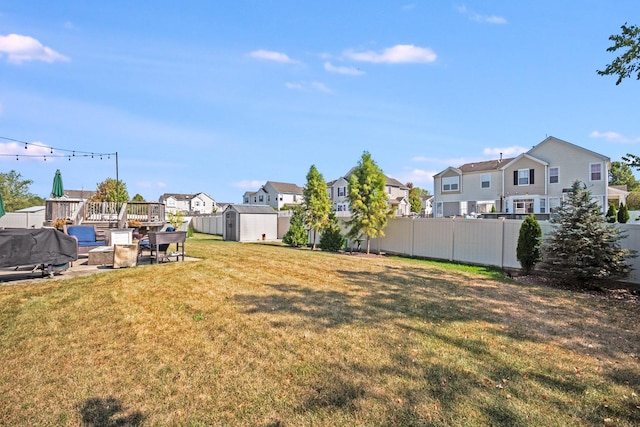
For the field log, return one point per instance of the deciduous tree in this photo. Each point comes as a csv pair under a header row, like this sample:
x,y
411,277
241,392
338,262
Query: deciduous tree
x,y
15,192
108,191
415,198
316,202
368,200
622,174
628,63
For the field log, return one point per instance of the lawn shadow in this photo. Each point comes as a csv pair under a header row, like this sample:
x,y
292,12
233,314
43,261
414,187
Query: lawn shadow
x,y
108,412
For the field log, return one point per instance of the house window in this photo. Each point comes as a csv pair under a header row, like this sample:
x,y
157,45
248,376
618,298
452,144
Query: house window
x,y
523,177
485,180
450,183
554,175
197,203
269,198
543,205
341,191
261,198
246,200
254,199
596,171
523,206
439,209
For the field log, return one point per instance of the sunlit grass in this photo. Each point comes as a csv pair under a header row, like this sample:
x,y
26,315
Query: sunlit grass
x,y
268,335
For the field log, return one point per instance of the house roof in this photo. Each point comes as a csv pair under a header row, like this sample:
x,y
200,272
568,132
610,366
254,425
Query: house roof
x,y
285,187
484,166
181,196
79,194
394,182
553,138
527,156
389,181
252,209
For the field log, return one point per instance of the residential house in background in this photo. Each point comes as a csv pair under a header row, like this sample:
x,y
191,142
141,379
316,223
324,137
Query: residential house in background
x,y
533,182
275,194
397,192
427,206
188,204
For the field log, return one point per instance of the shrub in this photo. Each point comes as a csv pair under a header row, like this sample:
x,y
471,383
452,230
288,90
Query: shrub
x,y
296,235
529,242
332,239
612,215
623,214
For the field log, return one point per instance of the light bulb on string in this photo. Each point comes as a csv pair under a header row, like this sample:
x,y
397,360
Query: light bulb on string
x,y
51,150
25,145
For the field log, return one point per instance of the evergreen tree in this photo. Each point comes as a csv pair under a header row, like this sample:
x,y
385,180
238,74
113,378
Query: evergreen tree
x,y
296,235
316,202
583,247
332,239
368,200
529,242
623,214
612,214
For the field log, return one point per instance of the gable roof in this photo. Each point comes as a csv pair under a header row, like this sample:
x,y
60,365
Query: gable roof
x,y
487,165
553,138
527,156
285,187
252,209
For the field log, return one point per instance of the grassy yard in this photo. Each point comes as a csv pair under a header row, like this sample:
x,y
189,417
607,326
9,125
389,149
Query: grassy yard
x,y
263,335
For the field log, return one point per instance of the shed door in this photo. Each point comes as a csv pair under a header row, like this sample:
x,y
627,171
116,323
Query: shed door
x,y
231,226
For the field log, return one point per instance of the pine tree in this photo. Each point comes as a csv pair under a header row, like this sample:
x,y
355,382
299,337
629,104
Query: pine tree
x,y
623,214
332,239
612,215
316,202
368,200
529,242
297,235
583,247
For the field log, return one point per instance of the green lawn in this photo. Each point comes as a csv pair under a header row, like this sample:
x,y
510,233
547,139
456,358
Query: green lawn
x,y
265,335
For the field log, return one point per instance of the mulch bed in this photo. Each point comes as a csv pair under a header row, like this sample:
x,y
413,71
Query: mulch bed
x,y
608,289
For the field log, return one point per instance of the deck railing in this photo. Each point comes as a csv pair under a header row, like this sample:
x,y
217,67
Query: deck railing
x,y
78,211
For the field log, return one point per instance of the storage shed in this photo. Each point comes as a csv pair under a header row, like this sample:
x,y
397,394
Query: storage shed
x,y
250,223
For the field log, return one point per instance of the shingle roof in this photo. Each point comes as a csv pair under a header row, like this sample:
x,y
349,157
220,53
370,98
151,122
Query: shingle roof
x,y
285,188
252,209
487,165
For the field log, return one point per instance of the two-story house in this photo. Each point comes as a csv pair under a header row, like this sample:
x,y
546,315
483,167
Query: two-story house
x,y
397,193
275,194
200,203
533,182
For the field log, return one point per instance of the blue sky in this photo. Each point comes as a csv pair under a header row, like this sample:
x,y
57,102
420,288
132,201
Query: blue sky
x,y
223,96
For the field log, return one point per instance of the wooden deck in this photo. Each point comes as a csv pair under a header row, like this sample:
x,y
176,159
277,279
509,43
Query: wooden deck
x,y
150,215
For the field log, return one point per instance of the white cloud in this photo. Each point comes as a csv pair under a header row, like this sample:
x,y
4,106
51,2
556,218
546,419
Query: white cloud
x,y
19,49
477,17
350,71
419,177
308,87
150,184
269,55
613,137
35,151
248,185
402,53
409,6
68,25
512,151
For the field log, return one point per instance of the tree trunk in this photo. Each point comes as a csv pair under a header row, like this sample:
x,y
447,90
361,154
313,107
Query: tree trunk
x,y
313,247
368,244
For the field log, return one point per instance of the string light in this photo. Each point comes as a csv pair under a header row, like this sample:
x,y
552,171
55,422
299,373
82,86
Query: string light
x,y
73,153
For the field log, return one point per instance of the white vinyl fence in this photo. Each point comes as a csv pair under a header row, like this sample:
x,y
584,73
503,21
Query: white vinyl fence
x,y
475,241
490,242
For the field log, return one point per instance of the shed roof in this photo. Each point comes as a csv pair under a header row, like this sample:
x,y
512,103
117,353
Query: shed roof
x,y
252,209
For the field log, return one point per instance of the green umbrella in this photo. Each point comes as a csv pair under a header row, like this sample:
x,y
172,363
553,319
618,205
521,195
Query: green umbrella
x,y
58,190
2,212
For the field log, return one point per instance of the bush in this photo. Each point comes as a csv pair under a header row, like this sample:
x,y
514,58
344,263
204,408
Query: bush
x,y
529,241
332,239
296,235
623,214
612,215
